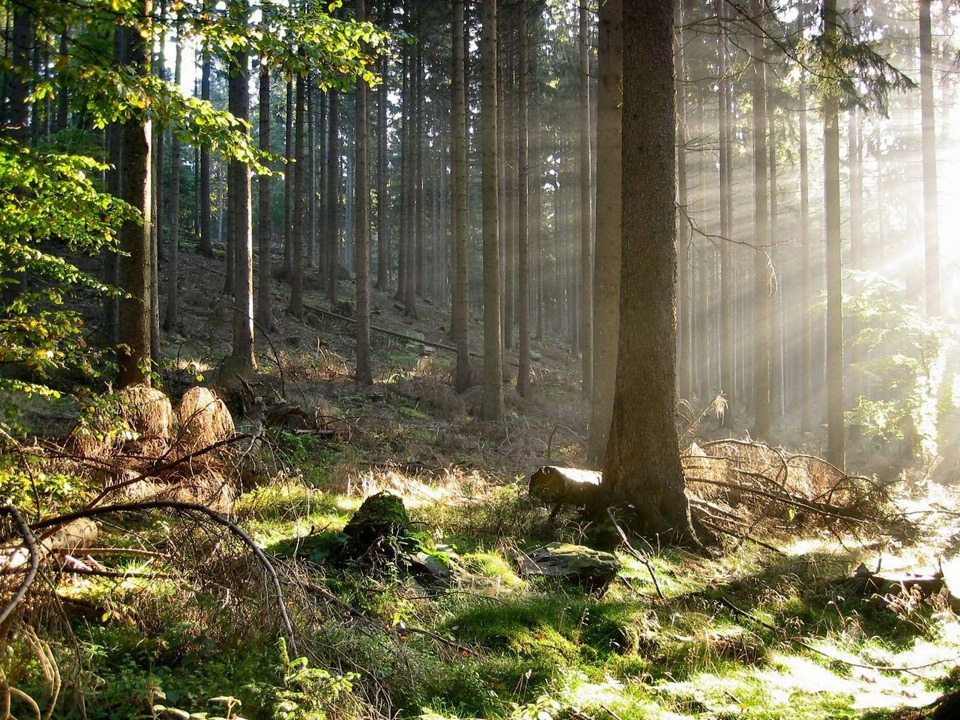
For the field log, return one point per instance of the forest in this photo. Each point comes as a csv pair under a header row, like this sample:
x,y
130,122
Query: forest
x,y
510,359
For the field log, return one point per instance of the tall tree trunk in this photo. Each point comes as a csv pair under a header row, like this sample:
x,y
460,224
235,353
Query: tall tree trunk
x,y
333,195
460,316
416,147
296,218
836,449
241,242
383,245
63,93
727,272
642,464
586,208
264,221
362,226
206,212
806,301
928,137
18,87
523,206
171,321
135,276
492,403
288,181
606,270
311,171
686,302
761,239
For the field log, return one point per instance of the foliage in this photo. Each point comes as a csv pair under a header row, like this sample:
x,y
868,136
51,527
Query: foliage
x,y
49,203
905,356
852,69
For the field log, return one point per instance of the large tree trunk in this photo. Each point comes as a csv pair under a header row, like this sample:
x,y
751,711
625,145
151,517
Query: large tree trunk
x,y
804,309
606,272
460,315
642,465
206,213
492,403
727,345
135,276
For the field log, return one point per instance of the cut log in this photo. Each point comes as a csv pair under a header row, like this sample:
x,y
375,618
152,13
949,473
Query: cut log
x,y
564,486
76,535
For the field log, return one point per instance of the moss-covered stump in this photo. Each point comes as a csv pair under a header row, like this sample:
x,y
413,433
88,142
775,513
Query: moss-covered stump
x,y
578,564
379,533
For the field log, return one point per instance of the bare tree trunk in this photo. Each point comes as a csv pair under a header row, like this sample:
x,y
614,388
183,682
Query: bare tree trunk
x,y
642,464
460,316
383,244
333,196
492,404
135,276
362,226
206,212
761,275
836,440
806,300
264,221
288,179
606,270
523,206
242,240
296,218
171,319
928,138
727,273
586,209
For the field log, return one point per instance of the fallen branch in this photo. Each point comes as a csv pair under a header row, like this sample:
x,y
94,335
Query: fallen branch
x,y
636,554
188,508
34,557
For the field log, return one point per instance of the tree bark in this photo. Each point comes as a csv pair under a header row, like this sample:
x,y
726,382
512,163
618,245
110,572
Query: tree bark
x,y
362,226
460,315
264,220
492,403
297,211
642,465
928,139
135,276
836,449
523,207
586,209
606,271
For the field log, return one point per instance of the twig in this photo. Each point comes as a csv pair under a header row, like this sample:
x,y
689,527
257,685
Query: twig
x,y
186,507
30,542
636,554
802,643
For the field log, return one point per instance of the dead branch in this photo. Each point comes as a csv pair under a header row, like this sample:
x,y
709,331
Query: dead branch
x,y
29,542
636,554
189,508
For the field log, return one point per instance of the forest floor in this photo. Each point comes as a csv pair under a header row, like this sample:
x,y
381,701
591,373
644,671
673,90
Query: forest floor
x,y
444,618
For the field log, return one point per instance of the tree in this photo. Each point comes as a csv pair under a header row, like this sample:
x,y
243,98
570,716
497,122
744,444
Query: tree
x,y
460,313
492,403
241,241
606,271
523,207
171,319
928,138
836,450
761,240
264,220
642,464
362,227
297,202
586,209
135,275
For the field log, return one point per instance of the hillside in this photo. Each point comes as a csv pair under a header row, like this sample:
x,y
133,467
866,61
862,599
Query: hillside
x,y
445,613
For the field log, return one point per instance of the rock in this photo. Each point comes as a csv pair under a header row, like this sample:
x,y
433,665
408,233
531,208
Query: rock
x,y
592,569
